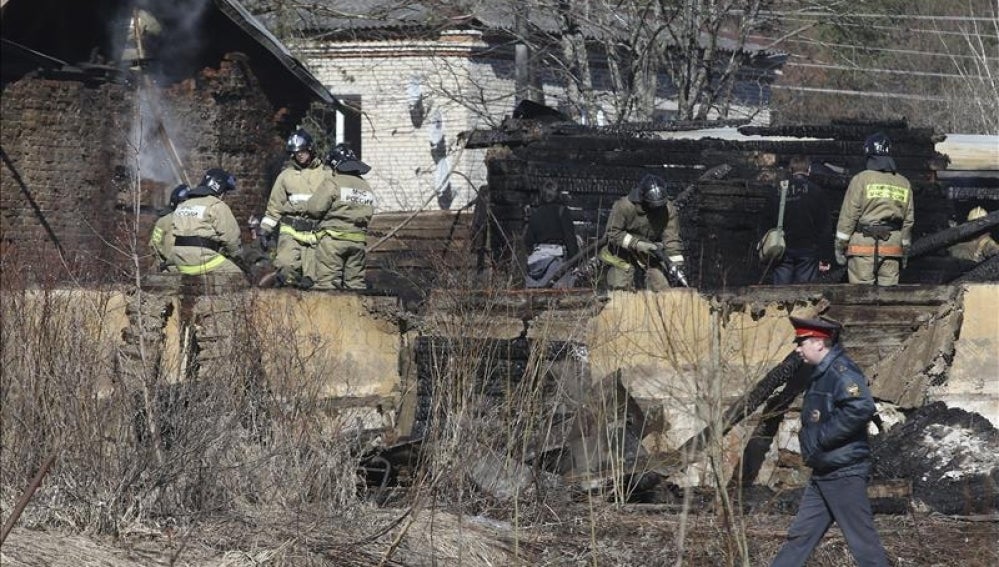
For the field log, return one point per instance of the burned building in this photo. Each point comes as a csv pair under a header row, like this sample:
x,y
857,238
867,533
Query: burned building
x,y
107,105
722,216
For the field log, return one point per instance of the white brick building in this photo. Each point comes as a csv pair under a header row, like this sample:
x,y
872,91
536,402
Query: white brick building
x,y
418,87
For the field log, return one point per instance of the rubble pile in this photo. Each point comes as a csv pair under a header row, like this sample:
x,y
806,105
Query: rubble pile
x,y
950,455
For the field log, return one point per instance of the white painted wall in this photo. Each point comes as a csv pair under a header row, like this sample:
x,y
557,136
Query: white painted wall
x,y
462,85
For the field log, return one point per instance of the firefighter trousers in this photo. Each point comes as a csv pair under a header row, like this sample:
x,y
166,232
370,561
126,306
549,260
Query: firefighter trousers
x,y
340,264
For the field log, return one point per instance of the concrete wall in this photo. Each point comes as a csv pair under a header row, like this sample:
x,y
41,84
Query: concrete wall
x,y
691,355
973,379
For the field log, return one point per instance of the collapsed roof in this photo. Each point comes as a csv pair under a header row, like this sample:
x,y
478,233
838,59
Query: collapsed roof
x,y
89,39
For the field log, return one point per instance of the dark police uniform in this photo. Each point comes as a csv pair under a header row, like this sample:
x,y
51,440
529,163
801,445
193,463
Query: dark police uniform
x,y
836,409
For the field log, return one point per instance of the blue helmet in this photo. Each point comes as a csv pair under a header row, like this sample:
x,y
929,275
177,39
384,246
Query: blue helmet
x,y
178,195
877,144
298,141
219,181
653,190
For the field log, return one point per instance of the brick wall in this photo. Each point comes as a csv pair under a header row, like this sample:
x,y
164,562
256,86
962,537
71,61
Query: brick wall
x,y
68,188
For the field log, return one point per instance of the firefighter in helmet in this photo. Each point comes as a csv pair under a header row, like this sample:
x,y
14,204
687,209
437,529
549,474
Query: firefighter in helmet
x,y
344,208
161,240
875,222
287,213
976,249
206,234
643,239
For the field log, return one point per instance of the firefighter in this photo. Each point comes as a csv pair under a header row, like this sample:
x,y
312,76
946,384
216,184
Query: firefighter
x,y
979,248
161,240
345,208
297,237
876,219
206,234
643,238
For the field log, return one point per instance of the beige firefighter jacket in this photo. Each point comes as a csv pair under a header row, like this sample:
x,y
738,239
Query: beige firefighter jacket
x,y
292,190
345,209
630,223
161,242
206,217
975,250
876,197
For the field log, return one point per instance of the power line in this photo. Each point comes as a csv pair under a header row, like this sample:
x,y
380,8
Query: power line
x,y
890,50
875,70
895,28
863,93
875,16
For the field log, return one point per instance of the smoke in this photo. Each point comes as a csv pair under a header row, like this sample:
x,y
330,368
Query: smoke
x,y
161,41
149,142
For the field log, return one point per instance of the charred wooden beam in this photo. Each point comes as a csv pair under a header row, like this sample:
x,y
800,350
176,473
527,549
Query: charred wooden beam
x,y
745,405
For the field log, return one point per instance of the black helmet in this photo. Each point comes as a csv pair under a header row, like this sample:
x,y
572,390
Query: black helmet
x,y
219,181
877,144
653,190
298,141
178,195
339,154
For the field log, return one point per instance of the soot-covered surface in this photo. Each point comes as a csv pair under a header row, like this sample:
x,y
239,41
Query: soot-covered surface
x,y
950,455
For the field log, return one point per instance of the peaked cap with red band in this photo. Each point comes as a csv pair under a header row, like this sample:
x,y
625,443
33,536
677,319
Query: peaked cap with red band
x,y
821,328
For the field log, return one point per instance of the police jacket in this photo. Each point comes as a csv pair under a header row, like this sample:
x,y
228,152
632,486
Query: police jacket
x,y
292,190
877,196
834,414
344,208
205,234
630,223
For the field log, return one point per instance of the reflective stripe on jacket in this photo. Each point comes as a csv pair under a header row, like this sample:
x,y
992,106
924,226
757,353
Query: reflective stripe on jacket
x,y
876,197
630,222
292,190
206,217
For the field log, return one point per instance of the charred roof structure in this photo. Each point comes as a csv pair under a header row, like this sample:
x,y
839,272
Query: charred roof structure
x,y
108,104
89,40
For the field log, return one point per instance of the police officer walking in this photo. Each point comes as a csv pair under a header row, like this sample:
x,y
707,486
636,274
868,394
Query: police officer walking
x,y
161,239
286,207
206,234
344,209
643,238
836,408
875,222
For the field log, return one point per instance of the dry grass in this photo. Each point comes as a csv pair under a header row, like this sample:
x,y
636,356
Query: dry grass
x,y
248,474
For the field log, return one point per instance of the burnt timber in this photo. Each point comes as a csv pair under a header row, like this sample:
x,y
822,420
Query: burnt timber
x,y
722,221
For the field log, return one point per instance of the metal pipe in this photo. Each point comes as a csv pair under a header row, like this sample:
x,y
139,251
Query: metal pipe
x,y
22,503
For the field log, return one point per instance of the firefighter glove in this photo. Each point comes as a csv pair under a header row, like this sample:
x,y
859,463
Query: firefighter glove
x,y
645,247
840,251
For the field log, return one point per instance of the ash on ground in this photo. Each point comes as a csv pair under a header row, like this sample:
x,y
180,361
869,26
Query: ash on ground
x,y
951,456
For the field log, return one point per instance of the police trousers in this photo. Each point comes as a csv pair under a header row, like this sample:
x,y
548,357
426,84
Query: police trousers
x,y
844,501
